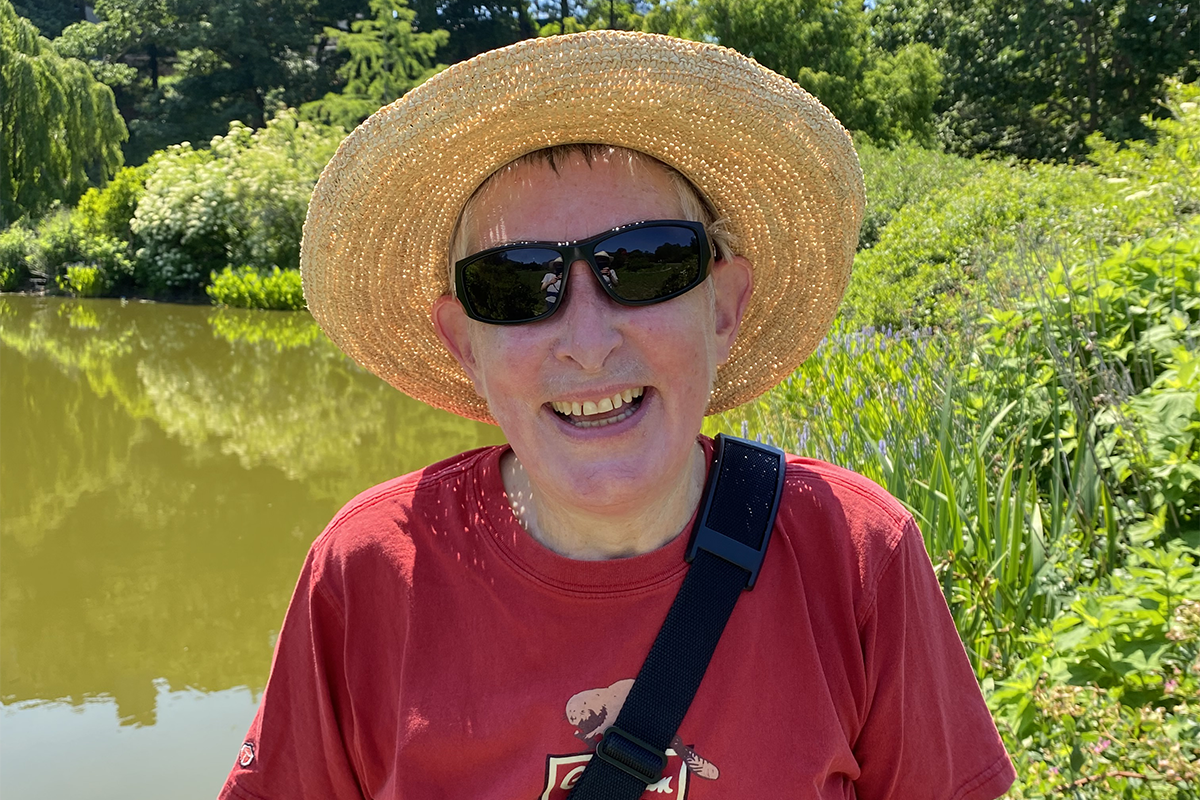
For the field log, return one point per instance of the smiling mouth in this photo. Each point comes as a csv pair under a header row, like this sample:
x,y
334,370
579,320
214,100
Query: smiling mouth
x,y
600,412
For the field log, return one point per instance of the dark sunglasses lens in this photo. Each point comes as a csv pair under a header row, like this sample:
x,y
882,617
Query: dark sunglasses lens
x,y
651,263
513,285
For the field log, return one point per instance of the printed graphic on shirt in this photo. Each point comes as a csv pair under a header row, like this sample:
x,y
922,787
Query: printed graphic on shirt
x,y
246,754
562,773
592,712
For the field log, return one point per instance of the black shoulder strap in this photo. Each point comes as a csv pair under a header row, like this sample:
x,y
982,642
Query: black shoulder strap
x,y
726,552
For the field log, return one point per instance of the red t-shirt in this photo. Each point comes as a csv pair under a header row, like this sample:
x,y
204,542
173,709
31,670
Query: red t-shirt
x,y
433,649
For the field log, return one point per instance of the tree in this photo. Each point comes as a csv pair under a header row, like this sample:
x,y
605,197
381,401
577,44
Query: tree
x,y
129,48
59,126
387,58
682,18
236,60
826,47
620,14
1034,79
50,16
901,89
181,69
474,27
184,69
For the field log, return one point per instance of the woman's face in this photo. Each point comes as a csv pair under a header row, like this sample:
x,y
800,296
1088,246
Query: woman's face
x,y
594,349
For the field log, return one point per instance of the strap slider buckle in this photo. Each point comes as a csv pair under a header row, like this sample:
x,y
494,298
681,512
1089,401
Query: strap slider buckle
x,y
758,518
631,755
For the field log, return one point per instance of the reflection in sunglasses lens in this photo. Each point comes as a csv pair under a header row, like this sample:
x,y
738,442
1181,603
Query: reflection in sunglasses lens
x,y
651,263
644,264
515,284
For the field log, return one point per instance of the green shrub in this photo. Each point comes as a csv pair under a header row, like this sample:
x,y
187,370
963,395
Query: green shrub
x,y
1158,177
104,268
977,230
10,279
1031,453
183,220
16,243
108,211
935,252
246,287
83,280
1099,358
904,175
57,244
242,201
1151,444
111,256
1105,704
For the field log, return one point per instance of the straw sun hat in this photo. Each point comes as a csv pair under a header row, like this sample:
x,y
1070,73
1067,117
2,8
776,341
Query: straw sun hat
x,y
769,157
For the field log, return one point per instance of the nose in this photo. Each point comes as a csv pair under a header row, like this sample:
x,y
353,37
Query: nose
x,y
589,321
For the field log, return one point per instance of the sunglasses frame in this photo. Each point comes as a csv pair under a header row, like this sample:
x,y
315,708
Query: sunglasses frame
x,y
585,250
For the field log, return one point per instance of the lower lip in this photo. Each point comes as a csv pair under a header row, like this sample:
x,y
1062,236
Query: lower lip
x,y
612,427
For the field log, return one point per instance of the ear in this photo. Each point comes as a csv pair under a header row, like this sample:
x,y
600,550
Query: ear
x,y
733,281
451,324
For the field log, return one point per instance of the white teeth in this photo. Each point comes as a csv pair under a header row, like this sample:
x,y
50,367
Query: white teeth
x,y
602,406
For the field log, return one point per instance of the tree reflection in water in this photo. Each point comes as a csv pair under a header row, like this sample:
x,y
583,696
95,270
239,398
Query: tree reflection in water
x,y
163,471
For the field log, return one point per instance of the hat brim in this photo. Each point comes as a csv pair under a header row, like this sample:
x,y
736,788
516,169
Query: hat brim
x,y
769,157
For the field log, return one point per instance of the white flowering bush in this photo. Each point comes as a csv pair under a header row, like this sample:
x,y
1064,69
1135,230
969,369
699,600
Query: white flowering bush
x,y
184,219
241,202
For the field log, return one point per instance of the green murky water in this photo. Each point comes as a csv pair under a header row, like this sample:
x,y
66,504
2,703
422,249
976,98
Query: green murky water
x,y
163,470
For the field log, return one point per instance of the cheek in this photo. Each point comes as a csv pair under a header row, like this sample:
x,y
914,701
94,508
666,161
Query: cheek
x,y
507,363
684,347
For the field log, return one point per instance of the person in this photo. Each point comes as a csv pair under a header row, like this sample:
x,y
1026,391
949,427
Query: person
x,y
608,275
472,629
552,281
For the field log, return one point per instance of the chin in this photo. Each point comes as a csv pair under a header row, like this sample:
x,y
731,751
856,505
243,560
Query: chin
x,y
618,476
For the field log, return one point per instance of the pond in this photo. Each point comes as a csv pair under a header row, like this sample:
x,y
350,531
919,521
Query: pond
x,y
163,470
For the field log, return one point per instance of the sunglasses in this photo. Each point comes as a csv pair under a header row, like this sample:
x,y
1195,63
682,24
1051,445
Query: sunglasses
x,y
636,265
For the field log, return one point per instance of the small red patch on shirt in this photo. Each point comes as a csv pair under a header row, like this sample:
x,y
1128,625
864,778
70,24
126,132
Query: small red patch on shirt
x,y
246,755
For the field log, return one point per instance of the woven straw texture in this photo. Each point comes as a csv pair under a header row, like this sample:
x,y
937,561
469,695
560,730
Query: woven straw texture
x,y
769,157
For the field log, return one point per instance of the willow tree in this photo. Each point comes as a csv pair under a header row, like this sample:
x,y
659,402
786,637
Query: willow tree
x,y
59,127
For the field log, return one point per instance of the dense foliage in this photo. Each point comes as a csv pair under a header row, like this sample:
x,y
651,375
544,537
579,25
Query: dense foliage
x,y
15,244
184,69
241,201
827,47
50,16
1016,359
1048,443
386,59
962,225
59,126
1035,79
990,76
1105,703
278,290
164,229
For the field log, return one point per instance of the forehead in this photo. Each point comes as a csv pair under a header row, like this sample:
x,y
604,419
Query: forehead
x,y
534,202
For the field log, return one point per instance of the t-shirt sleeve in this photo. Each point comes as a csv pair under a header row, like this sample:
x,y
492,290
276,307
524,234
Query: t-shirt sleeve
x,y
296,746
927,731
